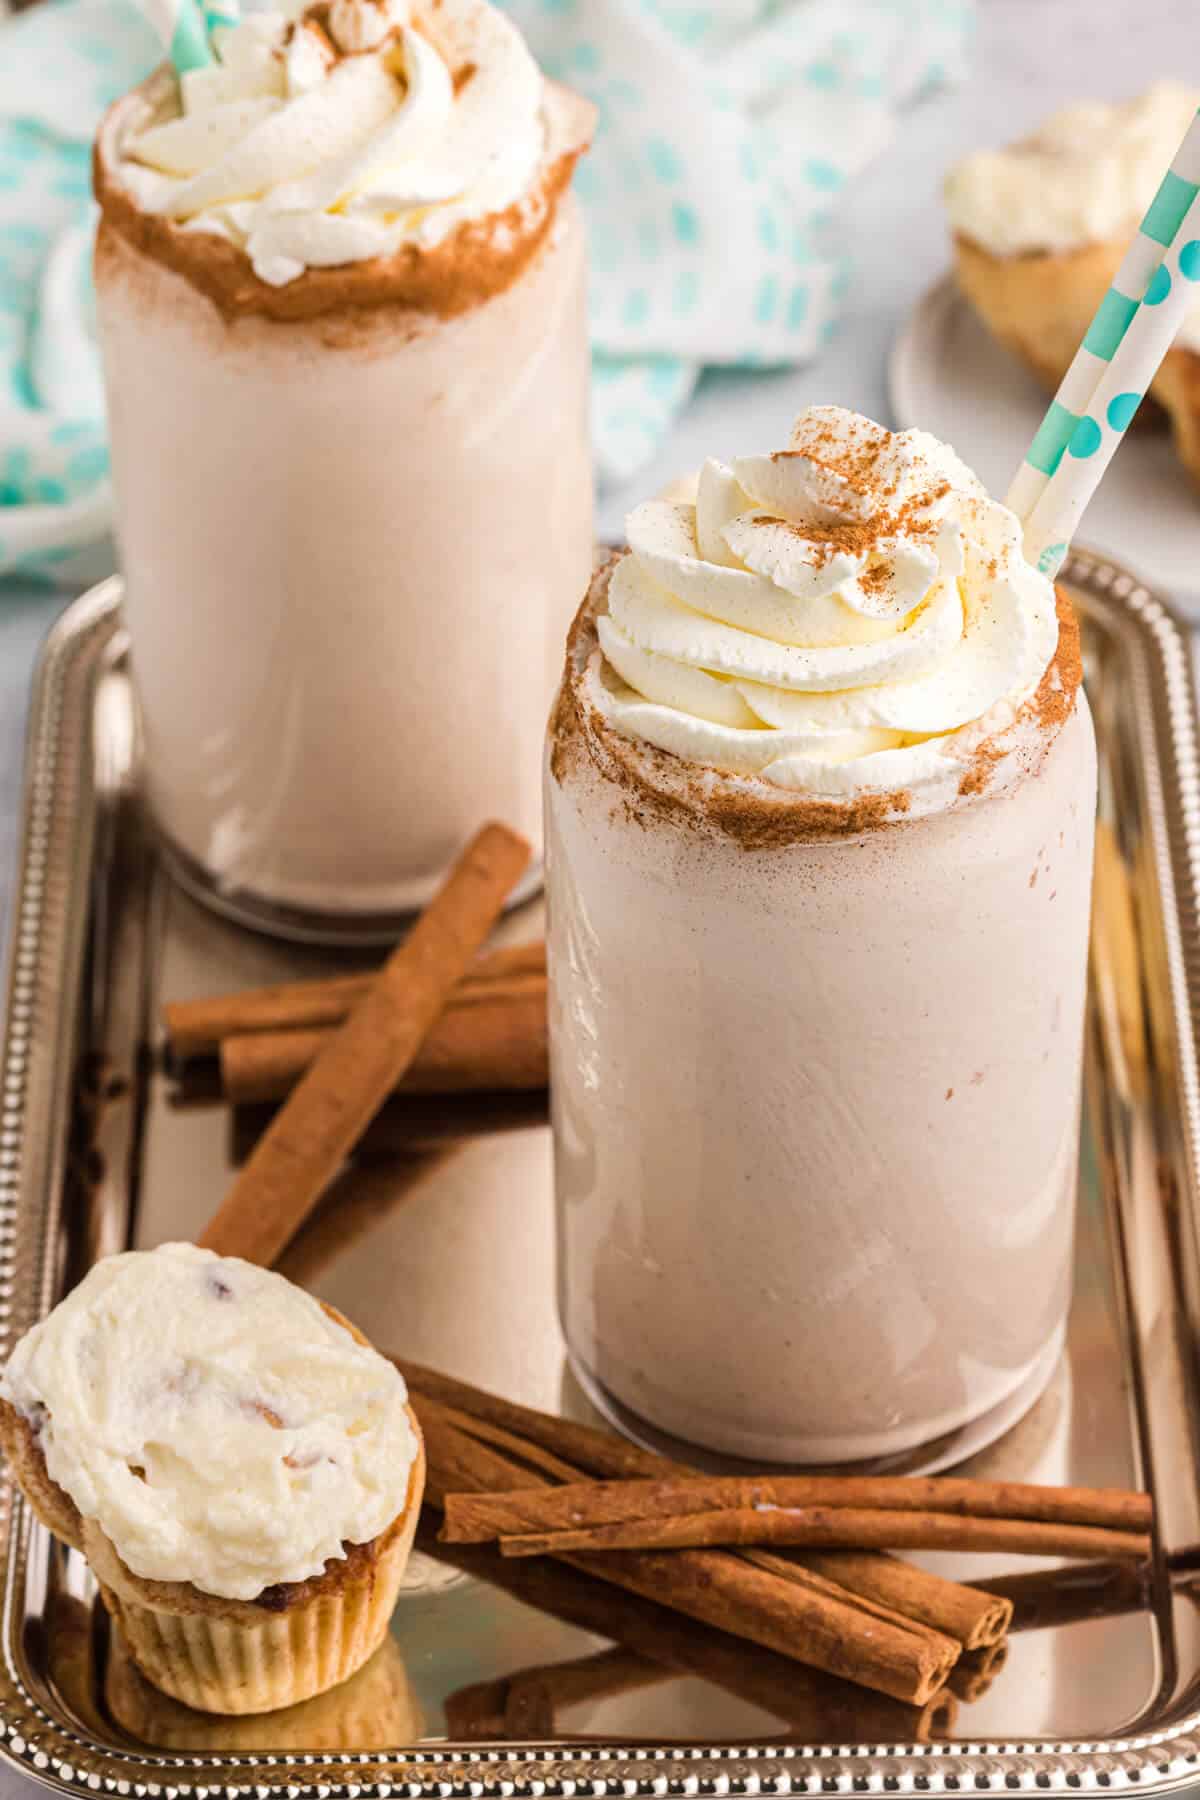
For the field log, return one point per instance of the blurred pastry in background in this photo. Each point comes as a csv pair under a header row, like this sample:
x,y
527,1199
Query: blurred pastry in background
x,y
1040,228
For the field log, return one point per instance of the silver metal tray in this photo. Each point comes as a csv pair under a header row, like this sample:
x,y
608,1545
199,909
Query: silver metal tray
x,y
1102,1686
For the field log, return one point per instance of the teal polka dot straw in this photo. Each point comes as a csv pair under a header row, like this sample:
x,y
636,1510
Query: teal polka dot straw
x,y
184,27
220,13
1156,285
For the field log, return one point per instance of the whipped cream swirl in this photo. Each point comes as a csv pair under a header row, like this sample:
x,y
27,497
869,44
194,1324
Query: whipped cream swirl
x,y
213,1420
850,615
337,131
1087,174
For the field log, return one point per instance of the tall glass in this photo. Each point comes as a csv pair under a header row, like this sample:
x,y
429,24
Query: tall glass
x,y
351,545
816,1101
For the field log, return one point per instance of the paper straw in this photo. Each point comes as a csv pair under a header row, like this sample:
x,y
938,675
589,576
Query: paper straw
x,y
181,26
1156,233
220,15
1173,291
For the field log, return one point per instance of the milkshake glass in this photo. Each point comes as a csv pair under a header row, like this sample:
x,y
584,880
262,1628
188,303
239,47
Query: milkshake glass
x,y
820,795
340,282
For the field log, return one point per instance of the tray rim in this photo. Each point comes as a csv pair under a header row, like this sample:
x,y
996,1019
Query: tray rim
x,y
47,938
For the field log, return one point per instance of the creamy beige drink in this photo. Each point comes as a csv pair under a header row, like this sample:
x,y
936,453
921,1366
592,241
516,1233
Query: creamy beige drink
x,y
341,293
820,803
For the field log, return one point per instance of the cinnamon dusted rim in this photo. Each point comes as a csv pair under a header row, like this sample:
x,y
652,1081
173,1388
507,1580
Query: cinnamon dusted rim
x,y
656,786
477,261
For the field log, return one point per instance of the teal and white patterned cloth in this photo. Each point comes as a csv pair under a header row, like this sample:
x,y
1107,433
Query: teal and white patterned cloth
x,y
60,65
727,131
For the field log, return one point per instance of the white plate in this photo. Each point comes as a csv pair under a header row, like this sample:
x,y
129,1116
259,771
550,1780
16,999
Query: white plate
x,y
949,376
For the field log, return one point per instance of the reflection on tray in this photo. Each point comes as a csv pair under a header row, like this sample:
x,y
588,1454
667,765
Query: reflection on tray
x,y
657,1646
375,1710
89,1662
648,1648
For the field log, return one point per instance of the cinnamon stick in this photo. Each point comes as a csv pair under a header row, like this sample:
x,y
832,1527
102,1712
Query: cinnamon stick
x,y
409,1124
327,1113
800,1616
532,1458
838,1528
196,1027
974,1673
597,1451
961,1612
817,1707
975,1615
603,1503
496,1040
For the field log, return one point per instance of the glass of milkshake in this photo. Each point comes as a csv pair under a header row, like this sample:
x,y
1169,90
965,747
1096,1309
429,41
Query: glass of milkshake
x,y
819,795
340,279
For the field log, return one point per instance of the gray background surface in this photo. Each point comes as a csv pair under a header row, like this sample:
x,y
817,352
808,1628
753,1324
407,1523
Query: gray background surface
x,y
1029,56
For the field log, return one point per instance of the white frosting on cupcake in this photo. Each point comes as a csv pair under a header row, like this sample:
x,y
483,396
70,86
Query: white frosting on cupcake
x,y
217,1424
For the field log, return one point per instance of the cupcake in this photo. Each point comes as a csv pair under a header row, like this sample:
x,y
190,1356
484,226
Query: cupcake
x,y
1040,228
242,1471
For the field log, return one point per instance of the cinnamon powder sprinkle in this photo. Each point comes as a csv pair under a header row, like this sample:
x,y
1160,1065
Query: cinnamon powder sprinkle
x,y
860,538
478,260
316,23
314,18
654,787
1052,704
855,460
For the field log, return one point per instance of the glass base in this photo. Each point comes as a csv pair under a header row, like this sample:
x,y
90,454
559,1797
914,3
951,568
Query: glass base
x,y
304,925
922,1459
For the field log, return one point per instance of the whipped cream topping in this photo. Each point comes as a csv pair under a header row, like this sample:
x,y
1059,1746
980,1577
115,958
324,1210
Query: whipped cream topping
x,y
852,615
213,1420
337,131
1086,175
